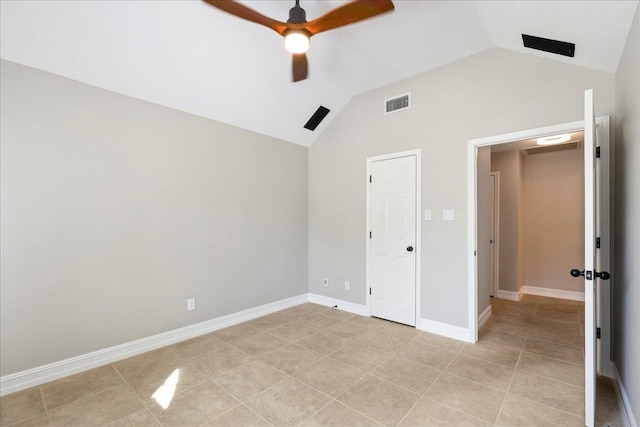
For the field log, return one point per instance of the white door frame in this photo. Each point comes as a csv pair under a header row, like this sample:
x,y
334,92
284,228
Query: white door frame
x,y
496,232
604,353
418,245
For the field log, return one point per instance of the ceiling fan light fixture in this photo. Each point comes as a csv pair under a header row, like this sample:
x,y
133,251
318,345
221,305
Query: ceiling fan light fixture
x,y
554,139
297,41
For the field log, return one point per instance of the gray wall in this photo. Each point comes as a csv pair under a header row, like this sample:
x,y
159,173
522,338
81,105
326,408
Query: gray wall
x,y
494,92
509,164
553,219
627,218
115,210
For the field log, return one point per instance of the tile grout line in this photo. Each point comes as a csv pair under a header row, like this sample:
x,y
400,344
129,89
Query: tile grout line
x,y
44,404
506,393
442,371
136,394
424,395
515,369
366,373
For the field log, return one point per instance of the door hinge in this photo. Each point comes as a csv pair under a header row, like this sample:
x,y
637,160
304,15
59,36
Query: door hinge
x,y
598,242
370,178
598,333
369,291
370,235
598,152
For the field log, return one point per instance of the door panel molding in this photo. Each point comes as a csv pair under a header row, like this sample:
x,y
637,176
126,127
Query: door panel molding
x,y
417,153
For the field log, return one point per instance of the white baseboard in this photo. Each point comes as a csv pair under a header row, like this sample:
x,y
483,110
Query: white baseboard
x,y
623,400
444,329
553,293
510,295
42,374
340,304
484,316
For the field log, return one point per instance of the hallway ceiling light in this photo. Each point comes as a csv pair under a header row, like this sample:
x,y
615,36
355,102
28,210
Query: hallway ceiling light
x,y
554,139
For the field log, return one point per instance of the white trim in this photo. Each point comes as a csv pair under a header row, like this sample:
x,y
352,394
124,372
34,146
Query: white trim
x,y
484,316
340,304
418,244
446,330
623,400
510,295
553,293
42,374
496,233
472,230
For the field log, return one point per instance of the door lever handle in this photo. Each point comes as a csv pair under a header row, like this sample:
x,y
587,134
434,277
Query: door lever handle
x,y
577,273
604,275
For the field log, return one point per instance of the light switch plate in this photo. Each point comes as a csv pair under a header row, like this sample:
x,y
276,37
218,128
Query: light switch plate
x,y
427,215
448,215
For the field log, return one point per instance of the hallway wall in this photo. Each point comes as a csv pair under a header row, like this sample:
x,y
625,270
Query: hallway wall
x,y
553,219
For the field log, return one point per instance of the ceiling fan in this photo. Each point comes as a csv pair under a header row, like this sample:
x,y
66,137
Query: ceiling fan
x,y
297,32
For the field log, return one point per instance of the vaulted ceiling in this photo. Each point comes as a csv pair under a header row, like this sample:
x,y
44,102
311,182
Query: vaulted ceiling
x,y
192,57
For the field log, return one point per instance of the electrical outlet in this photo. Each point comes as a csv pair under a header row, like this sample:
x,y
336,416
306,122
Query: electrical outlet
x,y
347,286
191,304
325,281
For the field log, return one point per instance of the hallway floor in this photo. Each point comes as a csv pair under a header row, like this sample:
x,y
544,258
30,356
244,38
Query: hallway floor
x,y
316,366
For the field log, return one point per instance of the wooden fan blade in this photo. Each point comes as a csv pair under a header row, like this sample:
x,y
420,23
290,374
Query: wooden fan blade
x,y
349,14
300,66
249,14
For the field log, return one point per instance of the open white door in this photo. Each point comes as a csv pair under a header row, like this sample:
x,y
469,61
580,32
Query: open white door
x,y
589,260
592,220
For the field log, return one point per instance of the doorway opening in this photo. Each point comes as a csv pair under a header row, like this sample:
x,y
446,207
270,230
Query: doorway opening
x,y
541,212
603,292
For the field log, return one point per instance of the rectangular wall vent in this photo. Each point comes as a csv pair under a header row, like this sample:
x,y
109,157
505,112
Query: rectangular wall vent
x,y
397,103
317,117
551,148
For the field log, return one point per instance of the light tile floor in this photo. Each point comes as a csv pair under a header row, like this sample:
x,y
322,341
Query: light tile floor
x,y
316,366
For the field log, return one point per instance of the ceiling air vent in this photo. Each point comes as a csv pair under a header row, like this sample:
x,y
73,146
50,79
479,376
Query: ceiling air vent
x,y
317,117
547,45
398,103
551,148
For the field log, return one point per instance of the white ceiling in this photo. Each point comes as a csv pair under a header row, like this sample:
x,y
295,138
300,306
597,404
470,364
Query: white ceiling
x,y
192,57
533,142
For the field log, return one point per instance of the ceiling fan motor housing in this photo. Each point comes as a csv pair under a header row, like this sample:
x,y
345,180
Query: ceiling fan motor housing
x,y
297,15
